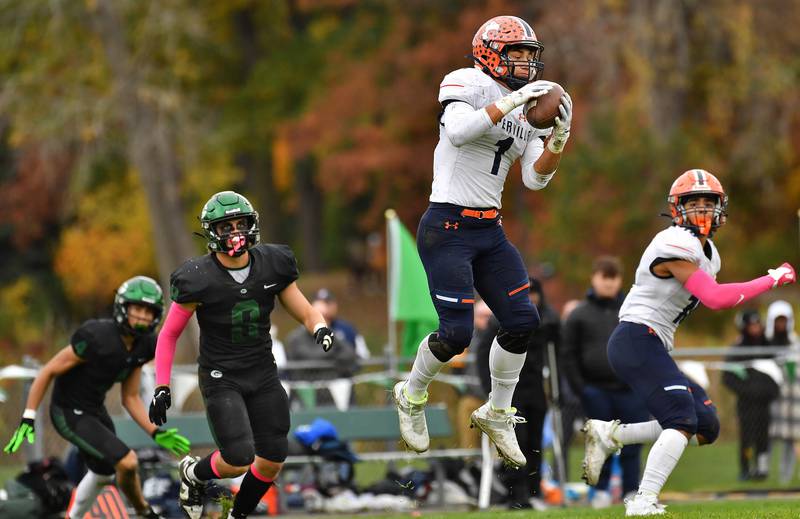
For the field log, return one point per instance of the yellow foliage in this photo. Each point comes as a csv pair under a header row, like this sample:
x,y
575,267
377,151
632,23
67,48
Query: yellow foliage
x,y
110,241
15,312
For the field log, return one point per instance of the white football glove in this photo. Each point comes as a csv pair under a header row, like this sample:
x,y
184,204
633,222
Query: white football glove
x,y
523,95
783,275
560,135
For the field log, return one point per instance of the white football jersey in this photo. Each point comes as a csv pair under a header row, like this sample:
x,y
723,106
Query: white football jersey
x,y
662,303
473,175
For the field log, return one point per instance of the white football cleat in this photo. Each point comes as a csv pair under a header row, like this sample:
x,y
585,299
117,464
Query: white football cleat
x,y
642,504
413,426
599,446
192,493
498,425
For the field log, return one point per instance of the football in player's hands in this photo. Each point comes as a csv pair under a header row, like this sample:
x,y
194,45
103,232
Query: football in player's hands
x,y
542,111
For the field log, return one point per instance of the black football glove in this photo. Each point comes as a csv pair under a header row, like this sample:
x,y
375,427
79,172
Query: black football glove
x,y
324,337
162,400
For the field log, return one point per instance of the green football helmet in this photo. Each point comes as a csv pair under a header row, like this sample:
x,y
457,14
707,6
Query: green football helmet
x,y
229,205
140,290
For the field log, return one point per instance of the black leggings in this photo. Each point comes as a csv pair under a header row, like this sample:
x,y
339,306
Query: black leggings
x,y
248,413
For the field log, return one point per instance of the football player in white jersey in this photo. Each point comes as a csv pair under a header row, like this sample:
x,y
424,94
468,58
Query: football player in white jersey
x,y
482,131
676,273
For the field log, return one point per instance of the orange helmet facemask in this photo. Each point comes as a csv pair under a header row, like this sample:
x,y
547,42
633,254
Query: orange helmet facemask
x,y
691,184
490,47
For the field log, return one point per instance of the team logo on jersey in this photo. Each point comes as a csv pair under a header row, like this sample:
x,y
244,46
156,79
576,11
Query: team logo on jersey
x,y
215,373
243,291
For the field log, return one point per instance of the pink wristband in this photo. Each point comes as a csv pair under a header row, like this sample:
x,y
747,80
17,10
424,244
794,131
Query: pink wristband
x,y
176,320
717,297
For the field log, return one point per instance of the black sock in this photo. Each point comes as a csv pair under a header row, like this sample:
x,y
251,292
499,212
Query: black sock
x,y
250,493
203,471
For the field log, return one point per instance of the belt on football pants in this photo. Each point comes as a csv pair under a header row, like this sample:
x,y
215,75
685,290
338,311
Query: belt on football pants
x,y
489,214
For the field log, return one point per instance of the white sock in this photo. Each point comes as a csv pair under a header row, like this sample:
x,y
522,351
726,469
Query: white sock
x,y
642,432
505,368
86,492
661,461
425,368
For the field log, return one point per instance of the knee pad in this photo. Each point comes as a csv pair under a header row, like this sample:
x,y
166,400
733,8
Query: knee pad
x,y
674,409
514,342
443,349
241,454
708,425
456,336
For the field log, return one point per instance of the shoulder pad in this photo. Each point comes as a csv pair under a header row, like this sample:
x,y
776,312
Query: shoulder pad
x,y
189,281
465,85
679,243
282,260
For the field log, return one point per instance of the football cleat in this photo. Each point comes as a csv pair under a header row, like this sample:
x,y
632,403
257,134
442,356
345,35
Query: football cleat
x,y
498,425
191,492
641,505
413,426
599,446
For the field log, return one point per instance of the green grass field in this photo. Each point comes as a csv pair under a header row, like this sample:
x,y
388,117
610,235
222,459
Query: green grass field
x,y
711,468
756,509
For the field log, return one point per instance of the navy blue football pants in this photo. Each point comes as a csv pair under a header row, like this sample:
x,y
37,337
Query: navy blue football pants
x,y
461,254
639,358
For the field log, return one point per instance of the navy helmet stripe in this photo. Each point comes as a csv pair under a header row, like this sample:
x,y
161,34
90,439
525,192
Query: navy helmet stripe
x,y
701,179
525,27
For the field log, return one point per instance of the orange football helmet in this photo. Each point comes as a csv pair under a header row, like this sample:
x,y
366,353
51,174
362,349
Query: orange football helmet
x,y
693,183
490,50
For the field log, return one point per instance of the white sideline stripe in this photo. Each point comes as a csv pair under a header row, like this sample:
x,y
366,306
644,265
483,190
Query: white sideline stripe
x,y
450,299
673,388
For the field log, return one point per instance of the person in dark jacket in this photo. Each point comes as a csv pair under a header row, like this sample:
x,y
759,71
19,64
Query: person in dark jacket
x,y
524,485
755,391
584,359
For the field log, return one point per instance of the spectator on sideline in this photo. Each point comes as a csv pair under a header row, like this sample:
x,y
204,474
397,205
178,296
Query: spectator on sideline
x,y
585,363
473,395
326,303
755,391
785,426
529,399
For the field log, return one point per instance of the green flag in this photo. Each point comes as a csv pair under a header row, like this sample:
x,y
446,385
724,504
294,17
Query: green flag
x,y
409,296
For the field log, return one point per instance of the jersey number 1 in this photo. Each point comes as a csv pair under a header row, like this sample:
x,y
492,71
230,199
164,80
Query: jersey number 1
x,y
693,302
502,147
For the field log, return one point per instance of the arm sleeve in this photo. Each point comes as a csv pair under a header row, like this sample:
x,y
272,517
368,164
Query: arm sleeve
x,y
167,339
463,123
530,177
717,297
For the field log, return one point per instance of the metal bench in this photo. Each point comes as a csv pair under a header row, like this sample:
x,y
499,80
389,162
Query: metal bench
x,y
354,424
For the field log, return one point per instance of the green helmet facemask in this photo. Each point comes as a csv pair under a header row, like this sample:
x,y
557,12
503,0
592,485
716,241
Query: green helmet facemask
x,y
225,207
140,290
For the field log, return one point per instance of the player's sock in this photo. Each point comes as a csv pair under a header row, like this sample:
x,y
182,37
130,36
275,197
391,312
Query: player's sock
x,y
504,367
425,368
661,461
204,469
87,491
642,432
254,486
